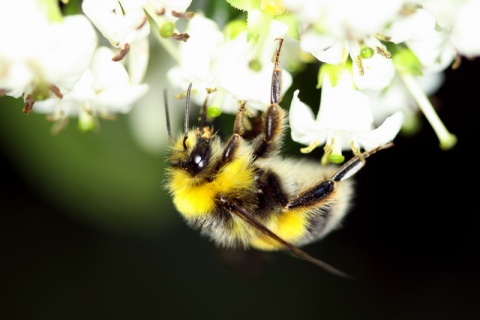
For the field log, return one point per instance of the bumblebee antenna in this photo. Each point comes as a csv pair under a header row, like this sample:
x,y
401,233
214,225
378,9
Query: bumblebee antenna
x,y
167,115
187,113
203,115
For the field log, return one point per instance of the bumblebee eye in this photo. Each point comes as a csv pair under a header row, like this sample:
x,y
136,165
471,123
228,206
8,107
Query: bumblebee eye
x,y
199,156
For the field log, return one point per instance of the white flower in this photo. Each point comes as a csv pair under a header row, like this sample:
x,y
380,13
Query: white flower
x,y
465,31
121,22
171,10
124,23
39,57
104,89
456,32
344,120
334,30
212,62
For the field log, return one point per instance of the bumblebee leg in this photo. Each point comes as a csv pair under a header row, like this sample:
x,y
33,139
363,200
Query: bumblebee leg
x,y
313,195
236,139
354,165
322,190
268,142
251,220
276,89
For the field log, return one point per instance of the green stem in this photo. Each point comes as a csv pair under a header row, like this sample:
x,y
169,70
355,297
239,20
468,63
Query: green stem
x,y
447,139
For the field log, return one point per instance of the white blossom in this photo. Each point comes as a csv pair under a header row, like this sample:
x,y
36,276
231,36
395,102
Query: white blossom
x,y
38,57
103,90
454,32
333,31
344,120
124,24
213,62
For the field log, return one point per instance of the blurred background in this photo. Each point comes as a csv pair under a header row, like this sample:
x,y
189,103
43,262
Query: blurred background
x,y
88,232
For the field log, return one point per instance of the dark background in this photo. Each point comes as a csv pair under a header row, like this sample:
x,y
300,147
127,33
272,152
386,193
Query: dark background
x,y
411,240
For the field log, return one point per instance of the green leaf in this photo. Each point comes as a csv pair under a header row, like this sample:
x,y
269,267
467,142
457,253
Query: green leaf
x,y
245,5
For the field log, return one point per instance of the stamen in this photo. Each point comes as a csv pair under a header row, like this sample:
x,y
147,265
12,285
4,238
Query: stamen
x,y
57,115
123,52
184,94
383,52
183,15
180,36
447,139
383,37
142,23
89,110
28,104
355,148
358,62
457,62
327,150
211,90
310,148
56,92
59,125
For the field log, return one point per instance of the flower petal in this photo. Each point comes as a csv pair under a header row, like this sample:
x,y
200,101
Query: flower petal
x,y
344,108
304,128
383,134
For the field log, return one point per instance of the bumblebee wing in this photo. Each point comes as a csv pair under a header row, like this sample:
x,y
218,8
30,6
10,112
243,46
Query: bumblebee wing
x,y
247,217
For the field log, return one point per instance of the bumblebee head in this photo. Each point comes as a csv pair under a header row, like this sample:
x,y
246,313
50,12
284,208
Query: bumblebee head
x,y
194,150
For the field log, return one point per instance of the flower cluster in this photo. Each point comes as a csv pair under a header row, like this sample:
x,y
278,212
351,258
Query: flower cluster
x,y
378,61
56,63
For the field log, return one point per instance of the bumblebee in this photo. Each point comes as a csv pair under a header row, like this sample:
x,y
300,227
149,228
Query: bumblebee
x,y
242,194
